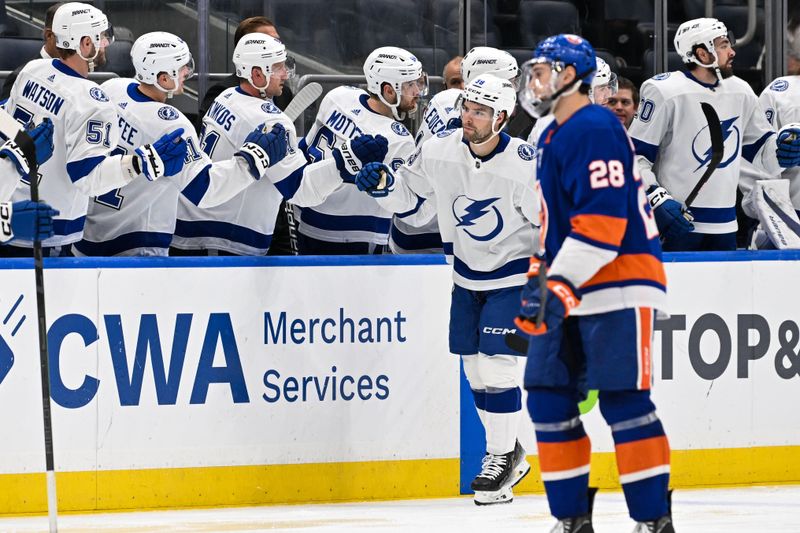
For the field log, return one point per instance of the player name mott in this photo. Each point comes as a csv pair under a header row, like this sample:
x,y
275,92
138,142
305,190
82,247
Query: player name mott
x,y
279,328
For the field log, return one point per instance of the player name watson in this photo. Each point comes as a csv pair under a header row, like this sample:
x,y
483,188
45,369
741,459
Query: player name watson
x,y
341,329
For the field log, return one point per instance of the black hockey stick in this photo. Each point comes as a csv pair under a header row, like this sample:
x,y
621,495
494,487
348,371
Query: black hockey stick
x,y
518,342
12,129
717,150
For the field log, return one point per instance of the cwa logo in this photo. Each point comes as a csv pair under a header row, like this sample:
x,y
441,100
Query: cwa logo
x,y
479,219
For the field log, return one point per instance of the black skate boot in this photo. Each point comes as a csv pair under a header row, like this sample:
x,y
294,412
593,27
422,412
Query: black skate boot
x,y
577,524
662,525
498,475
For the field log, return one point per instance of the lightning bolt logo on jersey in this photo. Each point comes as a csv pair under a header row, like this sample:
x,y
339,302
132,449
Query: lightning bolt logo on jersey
x,y
673,143
478,218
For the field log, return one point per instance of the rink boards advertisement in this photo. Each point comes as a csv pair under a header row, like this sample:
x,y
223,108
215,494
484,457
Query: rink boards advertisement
x,y
219,381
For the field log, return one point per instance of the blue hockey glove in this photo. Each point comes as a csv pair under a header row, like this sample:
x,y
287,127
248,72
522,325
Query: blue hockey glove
x,y
165,157
376,179
453,123
263,148
42,136
672,220
352,155
26,220
562,297
788,149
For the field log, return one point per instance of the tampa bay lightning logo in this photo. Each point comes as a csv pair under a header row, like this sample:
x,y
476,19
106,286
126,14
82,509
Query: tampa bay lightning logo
x,y
399,129
526,152
168,113
779,85
662,76
444,133
98,94
478,218
701,144
269,107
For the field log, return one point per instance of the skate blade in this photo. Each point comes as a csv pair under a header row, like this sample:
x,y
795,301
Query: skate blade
x,y
504,495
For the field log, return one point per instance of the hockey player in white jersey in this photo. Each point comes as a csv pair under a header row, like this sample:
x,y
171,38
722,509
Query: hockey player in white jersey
x,y
244,224
481,181
673,144
139,218
418,232
86,128
349,222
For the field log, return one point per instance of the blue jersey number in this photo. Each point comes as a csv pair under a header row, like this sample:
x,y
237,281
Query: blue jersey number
x,y
112,199
23,116
98,132
192,153
646,109
208,141
322,144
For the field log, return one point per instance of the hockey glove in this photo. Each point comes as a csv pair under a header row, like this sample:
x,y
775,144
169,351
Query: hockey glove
x,y
42,136
26,220
453,123
562,297
376,179
165,157
263,148
352,155
672,220
788,149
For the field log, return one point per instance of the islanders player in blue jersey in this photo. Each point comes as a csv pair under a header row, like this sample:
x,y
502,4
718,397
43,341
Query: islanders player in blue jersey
x,y
604,285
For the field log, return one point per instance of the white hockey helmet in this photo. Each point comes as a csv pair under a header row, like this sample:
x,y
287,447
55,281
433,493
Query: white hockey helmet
x,y
604,84
488,60
74,21
698,32
265,52
400,69
491,91
157,52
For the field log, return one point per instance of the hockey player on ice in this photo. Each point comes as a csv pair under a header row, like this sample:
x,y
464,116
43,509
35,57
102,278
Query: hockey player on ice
x,y
24,219
139,218
349,222
244,224
410,231
481,182
673,147
85,129
604,284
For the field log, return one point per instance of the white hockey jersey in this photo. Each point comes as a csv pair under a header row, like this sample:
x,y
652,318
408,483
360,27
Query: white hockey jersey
x,y
349,215
487,207
139,218
244,224
780,102
673,145
85,132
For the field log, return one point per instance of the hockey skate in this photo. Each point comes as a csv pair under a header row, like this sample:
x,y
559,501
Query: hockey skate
x,y
499,475
577,524
662,525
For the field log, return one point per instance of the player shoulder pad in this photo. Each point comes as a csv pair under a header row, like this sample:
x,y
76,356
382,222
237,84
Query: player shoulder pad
x,y
399,129
270,108
779,85
98,94
661,77
167,112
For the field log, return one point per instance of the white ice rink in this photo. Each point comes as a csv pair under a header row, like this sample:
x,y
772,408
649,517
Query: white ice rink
x,y
735,510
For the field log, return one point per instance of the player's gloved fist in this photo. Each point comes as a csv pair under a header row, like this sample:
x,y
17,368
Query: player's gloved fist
x,y
26,220
788,146
453,124
165,157
376,179
562,297
263,148
672,220
42,136
353,154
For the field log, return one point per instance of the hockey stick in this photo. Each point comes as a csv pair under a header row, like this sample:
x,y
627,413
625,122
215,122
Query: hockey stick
x,y
302,101
717,150
514,340
14,130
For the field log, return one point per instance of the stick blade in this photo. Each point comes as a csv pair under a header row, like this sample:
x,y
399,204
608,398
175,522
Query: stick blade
x,y
302,100
516,342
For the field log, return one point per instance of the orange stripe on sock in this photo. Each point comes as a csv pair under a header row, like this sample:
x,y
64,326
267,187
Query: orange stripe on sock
x,y
558,456
600,228
630,266
642,454
645,343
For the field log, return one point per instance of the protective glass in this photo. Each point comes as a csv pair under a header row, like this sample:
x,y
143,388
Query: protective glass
x,y
284,69
601,93
414,88
107,36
